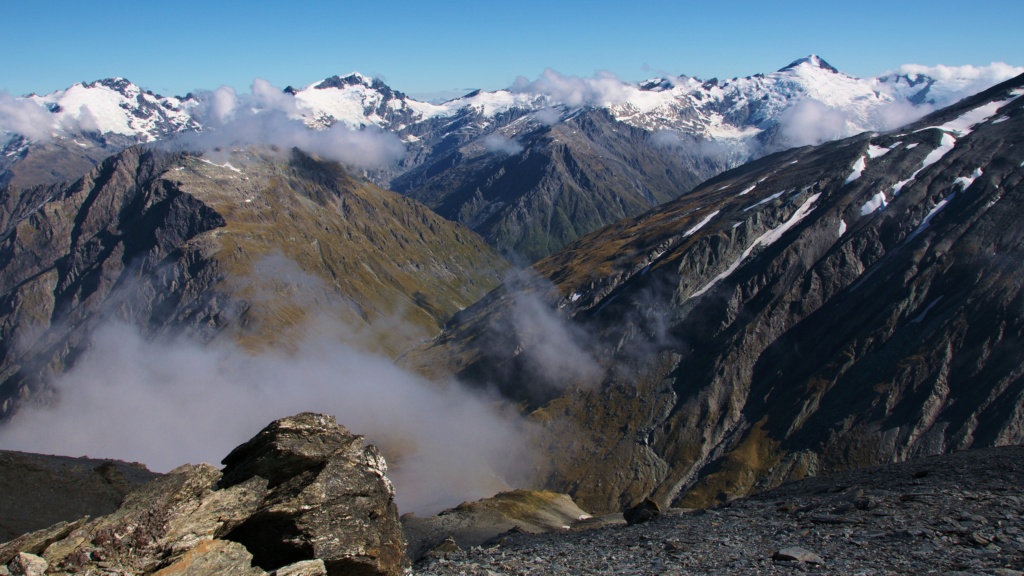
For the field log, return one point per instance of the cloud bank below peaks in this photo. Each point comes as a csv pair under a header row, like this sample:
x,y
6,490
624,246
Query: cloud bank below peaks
x,y
954,83
604,89
499,144
269,116
166,403
26,117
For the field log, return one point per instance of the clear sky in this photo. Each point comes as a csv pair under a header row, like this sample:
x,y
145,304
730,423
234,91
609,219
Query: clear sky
x,y
427,47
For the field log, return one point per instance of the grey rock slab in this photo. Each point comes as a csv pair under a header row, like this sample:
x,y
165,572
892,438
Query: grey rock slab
x,y
24,564
303,568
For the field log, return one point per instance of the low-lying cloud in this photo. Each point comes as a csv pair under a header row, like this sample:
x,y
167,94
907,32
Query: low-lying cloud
x,y
550,353
548,116
958,82
498,144
601,90
270,116
165,403
25,117
810,121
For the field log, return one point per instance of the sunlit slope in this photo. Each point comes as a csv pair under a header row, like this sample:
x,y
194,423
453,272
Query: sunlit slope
x,y
266,248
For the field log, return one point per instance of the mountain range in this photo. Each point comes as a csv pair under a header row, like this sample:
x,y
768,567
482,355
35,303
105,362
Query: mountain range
x,y
530,168
711,310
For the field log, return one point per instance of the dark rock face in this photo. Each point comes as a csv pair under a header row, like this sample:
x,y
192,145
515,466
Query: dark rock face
x,y
819,309
111,245
37,491
568,180
329,498
170,244
643,512
328,510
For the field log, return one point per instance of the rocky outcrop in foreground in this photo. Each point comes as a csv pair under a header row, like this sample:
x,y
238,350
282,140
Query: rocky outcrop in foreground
x,y
957,515
304,496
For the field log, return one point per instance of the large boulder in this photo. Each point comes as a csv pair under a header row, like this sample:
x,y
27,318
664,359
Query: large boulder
x,y
329,498
304,496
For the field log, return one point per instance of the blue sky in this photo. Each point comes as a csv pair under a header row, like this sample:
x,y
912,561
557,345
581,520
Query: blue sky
x,y
453,45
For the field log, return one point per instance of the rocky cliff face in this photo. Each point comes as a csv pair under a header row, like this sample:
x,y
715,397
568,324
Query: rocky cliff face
x,y
819,309
304,496
37,491
116,242
178,244
530,188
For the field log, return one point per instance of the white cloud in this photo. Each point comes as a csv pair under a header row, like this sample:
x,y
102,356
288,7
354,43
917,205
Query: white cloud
x,y
548,116
900,113
810,121
269,97
498,144
166,403
269,116
553,348
26,117
953,83
601,90
220,105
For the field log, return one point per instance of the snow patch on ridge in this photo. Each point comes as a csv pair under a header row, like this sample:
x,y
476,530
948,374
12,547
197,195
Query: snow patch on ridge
x,y
765,239
966,181
965,123
945,145
858,169
878,151
928,218
920,317
224,165
765,201
877,202
700,224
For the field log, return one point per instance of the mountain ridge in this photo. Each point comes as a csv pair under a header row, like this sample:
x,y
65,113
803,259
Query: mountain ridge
x,y
818,309
254,249
450,155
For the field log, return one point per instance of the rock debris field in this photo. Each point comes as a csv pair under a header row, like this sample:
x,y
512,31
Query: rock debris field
x,y
954,515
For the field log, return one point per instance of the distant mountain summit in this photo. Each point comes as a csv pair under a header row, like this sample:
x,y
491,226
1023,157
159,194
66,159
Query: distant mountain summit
x,y
117,106
813,60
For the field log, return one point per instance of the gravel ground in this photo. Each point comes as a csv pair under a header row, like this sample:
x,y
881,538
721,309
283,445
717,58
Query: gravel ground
x,y
957,514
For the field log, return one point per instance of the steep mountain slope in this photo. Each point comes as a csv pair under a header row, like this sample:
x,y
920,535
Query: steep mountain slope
x,y
822,308
554,183
264,249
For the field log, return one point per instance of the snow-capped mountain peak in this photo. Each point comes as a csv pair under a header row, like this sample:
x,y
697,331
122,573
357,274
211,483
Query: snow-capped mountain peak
x,y
350,79
813,61
116,106
806,102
